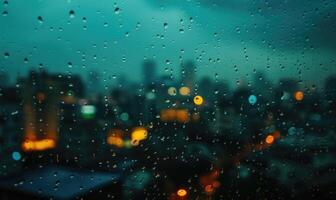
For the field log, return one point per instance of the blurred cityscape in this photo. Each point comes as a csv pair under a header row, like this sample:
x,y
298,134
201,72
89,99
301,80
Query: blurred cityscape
x,y
165,138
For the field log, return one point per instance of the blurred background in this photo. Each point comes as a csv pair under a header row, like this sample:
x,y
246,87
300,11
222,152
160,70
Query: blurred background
x,y
153,99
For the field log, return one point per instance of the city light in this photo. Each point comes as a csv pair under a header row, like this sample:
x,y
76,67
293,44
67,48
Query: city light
x,y
252,99
182,192
124,116
16,156
184,91
179,115
88,111
172,91
38,145
209,189
198,100
116,141
115,138
269,139
298,96
138,134
150,95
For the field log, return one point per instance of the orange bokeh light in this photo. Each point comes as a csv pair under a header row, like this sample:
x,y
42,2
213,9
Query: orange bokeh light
x,y
180,115
269,139
298,96
209,189
115,138
38,145
184,91
182,192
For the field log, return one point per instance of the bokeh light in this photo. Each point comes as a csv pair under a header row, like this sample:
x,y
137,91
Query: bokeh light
x,y
182,192
198,100
138,134
16,156
172,91
269,139
184,91
298,96
252,99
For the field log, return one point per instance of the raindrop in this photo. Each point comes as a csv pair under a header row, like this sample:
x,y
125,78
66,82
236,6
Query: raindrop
x,y
6,55
40,19
117,10
5,13
165,25
71,13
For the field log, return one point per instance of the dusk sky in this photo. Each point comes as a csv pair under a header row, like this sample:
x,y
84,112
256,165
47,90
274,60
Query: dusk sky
x,y
283,38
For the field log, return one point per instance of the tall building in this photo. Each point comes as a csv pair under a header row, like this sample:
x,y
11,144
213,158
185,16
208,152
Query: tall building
x,y
330,87
94,86
3,79
149,72
43,94
288,85
188,75
261,83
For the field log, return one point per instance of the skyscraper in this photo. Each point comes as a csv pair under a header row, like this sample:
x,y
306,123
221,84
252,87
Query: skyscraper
x,y
42,96
149,72
188,74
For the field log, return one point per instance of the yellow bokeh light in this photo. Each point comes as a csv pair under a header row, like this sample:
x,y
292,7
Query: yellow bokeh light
x,y
138,134
198,100
181,192
184,91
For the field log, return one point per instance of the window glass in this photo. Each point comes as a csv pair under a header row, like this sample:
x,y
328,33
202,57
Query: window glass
x,y
154,99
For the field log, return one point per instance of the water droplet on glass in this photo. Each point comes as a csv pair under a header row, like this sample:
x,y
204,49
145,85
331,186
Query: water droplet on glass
x,y
117,10
40,19
165,25
71,13
6,55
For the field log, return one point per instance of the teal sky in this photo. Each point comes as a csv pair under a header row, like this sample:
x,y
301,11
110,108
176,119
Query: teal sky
x,y
232,38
